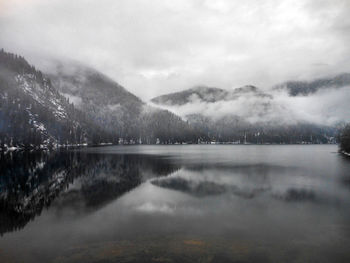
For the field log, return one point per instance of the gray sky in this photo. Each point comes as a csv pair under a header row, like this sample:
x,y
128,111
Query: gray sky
x,y
154,47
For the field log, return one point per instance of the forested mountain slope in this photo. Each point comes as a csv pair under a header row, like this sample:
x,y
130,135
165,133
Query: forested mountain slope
x,y
252,115
115,109
76,105
34,113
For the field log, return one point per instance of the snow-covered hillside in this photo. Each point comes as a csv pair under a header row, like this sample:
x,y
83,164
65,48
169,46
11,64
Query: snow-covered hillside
x,y
33,113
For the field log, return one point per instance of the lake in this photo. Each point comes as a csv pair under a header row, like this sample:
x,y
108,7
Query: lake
x,y
181,203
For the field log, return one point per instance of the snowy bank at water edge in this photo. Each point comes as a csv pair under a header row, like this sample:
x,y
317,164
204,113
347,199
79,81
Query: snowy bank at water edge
x,y
345,153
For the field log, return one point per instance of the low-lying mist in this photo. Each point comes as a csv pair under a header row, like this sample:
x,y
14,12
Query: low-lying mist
x,y
325,107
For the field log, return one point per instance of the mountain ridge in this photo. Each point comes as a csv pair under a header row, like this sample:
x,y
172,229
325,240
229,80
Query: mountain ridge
x,y
36,111
264,116
205,94
76,104
119,111
304,88
293,88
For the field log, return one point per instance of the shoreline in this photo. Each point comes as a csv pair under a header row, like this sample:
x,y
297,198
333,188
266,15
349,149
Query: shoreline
x,y
51,148
345,153
80,146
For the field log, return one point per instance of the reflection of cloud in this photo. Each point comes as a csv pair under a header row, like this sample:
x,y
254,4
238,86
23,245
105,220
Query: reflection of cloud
x,y
151,207
285,184
203,188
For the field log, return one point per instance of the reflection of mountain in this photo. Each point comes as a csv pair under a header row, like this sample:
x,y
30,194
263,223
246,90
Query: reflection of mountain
x,y
30,182
203,188
244,181
113,175
297,195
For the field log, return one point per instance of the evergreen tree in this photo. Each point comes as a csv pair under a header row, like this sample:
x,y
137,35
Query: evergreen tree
x,y
345,139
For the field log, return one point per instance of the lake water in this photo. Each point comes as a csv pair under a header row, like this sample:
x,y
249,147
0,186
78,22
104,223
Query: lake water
x,y
192,203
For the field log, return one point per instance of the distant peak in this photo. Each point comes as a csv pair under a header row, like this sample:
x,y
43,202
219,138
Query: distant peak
x,y
305,88
247,88
203,88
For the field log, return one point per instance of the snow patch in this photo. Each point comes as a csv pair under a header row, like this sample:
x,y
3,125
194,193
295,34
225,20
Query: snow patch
x,y
345,153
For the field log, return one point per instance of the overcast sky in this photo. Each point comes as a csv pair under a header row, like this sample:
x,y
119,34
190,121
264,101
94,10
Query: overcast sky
x,y
154,47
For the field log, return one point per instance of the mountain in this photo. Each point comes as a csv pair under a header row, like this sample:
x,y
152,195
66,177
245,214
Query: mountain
x,y
303,88
105,102
246,115
75,104
205,94
115,109
33,112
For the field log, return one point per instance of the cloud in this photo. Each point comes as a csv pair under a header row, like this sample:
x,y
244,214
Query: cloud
x,y
76,100
154,47
325,107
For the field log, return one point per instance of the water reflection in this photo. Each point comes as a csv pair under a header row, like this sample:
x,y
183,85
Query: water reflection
x,y
176,204
30,182
288,184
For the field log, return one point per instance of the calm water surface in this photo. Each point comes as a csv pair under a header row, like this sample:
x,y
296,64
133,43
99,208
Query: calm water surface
x,y
176,204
